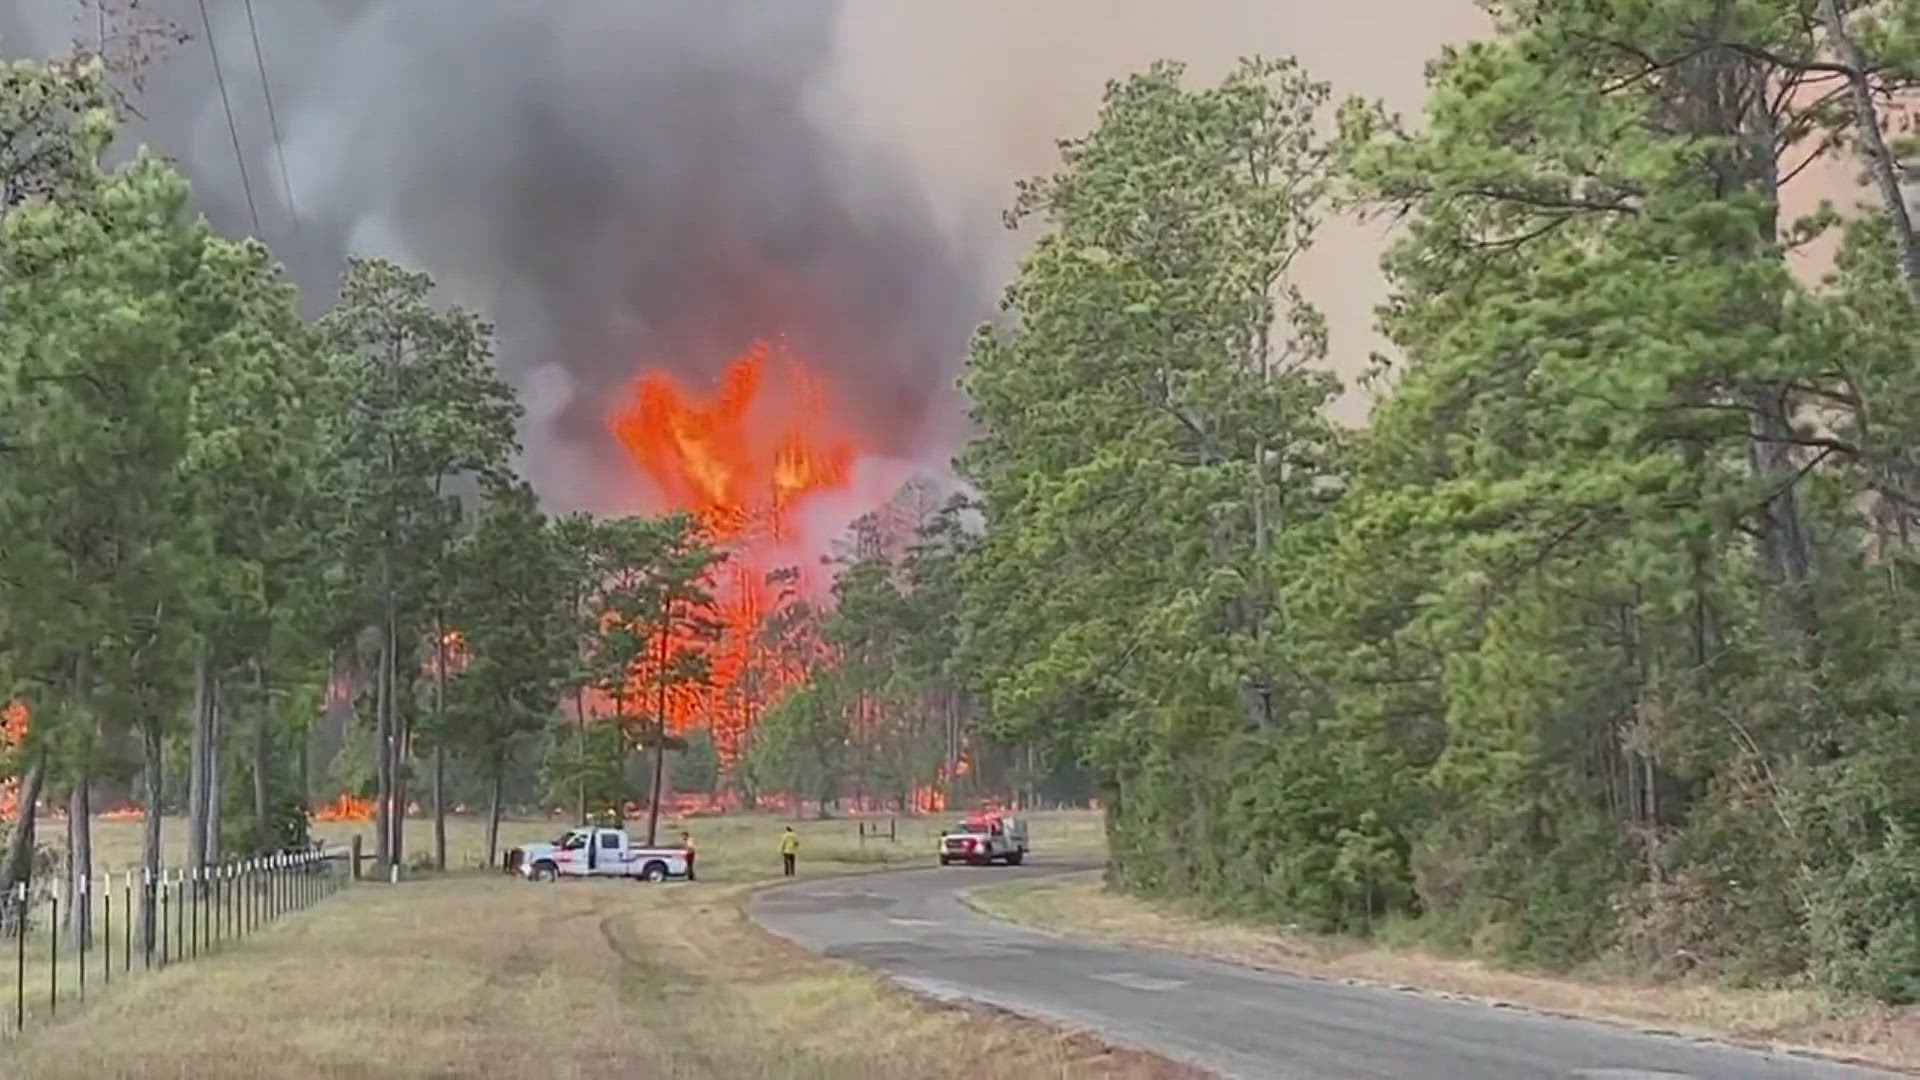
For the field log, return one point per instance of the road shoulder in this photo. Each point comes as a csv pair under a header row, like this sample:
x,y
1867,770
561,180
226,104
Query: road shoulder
x,y
1803,1022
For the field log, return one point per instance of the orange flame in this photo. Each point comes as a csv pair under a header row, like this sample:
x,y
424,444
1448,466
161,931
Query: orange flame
x,y
453,645
742,462
13,731
345,808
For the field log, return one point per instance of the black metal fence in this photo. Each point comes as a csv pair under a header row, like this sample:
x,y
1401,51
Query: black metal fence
x,y
64,939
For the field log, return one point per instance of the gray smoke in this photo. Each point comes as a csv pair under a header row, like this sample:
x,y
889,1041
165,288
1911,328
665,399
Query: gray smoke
x,y
614,182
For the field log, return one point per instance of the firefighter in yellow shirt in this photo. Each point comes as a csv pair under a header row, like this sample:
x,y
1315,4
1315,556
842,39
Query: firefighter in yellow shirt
x,y
789,849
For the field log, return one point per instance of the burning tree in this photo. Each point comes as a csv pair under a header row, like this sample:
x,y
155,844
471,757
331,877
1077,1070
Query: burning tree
x,y
742,464
657,623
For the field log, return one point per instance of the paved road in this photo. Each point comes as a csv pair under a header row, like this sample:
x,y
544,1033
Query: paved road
x,y
1233,1021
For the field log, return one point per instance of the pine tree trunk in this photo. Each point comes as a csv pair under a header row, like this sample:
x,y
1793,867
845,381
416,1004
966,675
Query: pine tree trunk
x,y
439,747
439,807
197,760
150,775
396,748
382,758
402,755
79,911
16,867
493,815
580,750
659,730
1880,162
216,795
263,838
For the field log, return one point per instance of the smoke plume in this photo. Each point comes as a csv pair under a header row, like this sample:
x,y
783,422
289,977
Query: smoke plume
x,y
629,183
616,184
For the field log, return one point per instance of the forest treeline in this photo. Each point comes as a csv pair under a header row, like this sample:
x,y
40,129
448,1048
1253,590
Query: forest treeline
x,y
218,515
1599,638
1596,640
222,521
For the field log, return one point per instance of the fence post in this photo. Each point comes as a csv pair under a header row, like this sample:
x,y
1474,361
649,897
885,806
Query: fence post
x,y
356,856
20,962
53,952
148,924
163,890
106,932
196,910
82,916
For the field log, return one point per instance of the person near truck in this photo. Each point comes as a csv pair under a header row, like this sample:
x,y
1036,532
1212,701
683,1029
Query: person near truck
x,y
789,850
686,841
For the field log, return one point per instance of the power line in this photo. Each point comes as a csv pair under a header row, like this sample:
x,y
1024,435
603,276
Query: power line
x,y
233,129
273,122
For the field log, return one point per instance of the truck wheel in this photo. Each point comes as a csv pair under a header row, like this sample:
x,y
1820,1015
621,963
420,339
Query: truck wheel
x,y
944,861
545,871
1016,858
655,871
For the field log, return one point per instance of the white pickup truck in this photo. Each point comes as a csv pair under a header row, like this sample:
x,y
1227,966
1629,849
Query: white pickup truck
x,y
595,852
985,838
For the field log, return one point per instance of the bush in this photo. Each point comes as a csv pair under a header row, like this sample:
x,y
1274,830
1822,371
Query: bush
x,y
1865,922
287,827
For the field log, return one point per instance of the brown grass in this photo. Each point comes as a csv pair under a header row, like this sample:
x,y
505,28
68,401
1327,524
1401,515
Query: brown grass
x,y
1080,905
483,976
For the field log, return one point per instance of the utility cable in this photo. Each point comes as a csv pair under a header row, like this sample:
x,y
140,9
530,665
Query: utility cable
x,y
233,129
273,122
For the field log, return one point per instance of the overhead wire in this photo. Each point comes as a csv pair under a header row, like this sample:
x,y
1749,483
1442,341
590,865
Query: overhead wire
x,y
233,129
273,123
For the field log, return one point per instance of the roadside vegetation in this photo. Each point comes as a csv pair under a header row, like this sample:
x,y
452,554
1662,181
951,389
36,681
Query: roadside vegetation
x,y
1597,644
1402,956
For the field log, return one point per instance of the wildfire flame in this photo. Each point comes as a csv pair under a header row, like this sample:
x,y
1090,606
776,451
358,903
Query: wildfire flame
x,y
742,462
13,731
345,808
453,646
13,724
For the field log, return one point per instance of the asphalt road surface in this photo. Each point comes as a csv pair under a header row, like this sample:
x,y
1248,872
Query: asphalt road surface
x,y
1232,1021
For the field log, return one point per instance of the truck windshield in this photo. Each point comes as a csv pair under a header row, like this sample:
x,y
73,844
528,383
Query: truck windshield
x,y
570,840
981,828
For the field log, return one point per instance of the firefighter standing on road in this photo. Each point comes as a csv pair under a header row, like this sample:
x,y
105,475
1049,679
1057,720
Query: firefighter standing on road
x,y
686,841
789,849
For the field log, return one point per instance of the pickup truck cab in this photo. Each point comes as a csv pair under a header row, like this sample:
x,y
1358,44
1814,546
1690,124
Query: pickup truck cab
x,y
985,838
596,852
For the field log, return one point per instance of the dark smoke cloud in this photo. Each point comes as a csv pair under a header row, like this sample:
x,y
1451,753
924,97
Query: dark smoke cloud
x,y
615,182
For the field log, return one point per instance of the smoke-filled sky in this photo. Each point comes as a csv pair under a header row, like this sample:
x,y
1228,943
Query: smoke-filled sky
x,y
620,183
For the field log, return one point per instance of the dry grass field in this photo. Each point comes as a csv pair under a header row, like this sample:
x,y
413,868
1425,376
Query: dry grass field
x,y
737,847
477,975
1079,905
